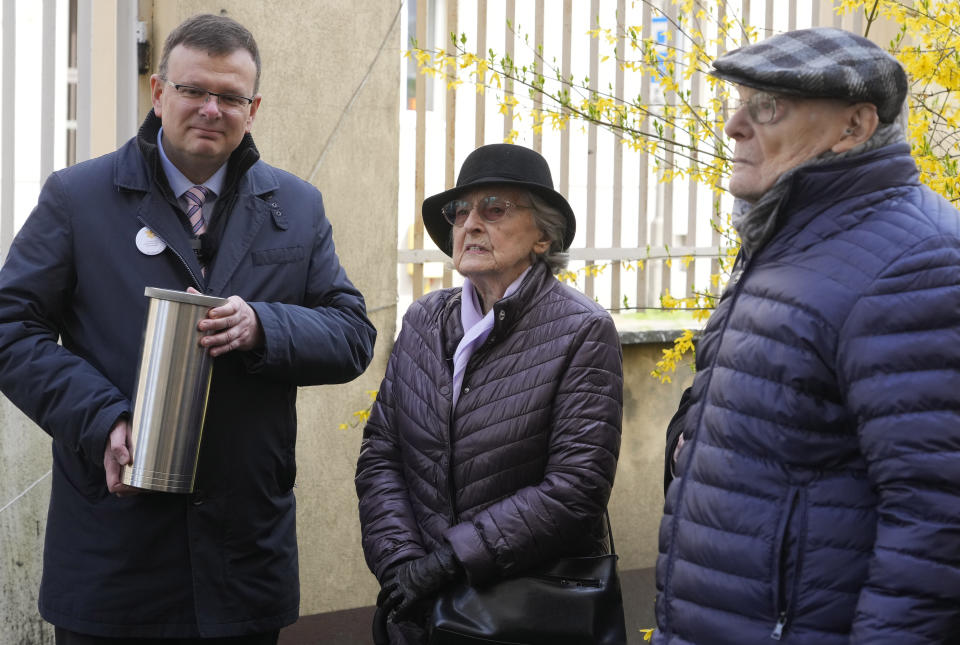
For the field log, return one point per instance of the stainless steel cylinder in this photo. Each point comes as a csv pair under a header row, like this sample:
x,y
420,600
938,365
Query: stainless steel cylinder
x,y
170,400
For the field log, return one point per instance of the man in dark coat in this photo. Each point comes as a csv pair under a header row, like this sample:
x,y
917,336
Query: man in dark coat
x,y
220,562
817,484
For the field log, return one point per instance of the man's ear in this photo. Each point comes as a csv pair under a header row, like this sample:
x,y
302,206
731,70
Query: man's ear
x,y
248,126
860,122
156,89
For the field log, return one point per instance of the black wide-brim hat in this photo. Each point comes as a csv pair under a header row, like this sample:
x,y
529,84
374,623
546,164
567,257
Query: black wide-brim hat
x,y
497,163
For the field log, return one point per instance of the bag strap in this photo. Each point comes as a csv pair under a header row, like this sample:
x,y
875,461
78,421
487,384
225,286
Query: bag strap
x,y
606,513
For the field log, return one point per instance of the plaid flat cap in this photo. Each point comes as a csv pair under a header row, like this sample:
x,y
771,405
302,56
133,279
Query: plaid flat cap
x,y
822,62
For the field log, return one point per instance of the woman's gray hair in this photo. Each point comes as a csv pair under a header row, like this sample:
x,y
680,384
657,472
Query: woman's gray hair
x,y
553,225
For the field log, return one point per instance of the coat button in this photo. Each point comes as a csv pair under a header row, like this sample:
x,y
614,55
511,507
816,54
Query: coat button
x,y
466,390
444,389
502,314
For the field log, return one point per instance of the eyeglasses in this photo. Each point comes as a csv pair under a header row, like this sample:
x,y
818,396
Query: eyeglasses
x,y
491,209
762,107
198,95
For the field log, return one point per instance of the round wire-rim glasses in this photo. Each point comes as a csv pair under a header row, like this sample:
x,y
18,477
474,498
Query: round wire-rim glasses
x,y
761,106
490,208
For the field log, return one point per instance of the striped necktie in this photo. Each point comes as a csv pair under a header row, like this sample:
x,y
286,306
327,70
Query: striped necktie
x,y
195,198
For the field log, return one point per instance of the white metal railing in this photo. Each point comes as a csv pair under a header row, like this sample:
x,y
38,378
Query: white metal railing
x,y
34,75
624,212
7,126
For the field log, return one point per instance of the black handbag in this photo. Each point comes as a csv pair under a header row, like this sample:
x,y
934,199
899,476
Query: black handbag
x,y
569,601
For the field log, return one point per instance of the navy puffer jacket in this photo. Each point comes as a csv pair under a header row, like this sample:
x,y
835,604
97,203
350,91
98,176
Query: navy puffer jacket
x,y
521,470
817,498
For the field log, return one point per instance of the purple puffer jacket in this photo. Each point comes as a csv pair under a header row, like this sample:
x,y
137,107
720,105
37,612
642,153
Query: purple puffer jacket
x,y
521,470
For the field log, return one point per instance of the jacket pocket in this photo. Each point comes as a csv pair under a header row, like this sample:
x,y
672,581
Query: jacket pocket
x,y
287,473
277,256
87,480
787,558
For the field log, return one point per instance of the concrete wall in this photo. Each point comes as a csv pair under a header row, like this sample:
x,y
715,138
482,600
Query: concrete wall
x,y
329,112
24,460
330,85
648,405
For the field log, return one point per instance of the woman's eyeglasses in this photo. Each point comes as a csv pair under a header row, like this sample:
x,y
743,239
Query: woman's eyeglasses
x,y
491,209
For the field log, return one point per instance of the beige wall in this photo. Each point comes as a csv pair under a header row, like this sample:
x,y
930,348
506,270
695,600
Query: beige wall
x,y
103,77
24,460
329,111
648,406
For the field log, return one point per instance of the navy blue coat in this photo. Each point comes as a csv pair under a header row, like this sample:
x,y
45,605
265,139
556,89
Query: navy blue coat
x,y
817,498
221,561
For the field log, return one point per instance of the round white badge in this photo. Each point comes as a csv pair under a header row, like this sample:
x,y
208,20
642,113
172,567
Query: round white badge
x,y
148,243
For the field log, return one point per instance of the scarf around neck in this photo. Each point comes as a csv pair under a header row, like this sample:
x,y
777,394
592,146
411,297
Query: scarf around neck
x,y
756,222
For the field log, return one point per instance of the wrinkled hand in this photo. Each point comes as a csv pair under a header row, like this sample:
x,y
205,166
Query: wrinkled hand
x,y
117,455
418,580
676,451
233,326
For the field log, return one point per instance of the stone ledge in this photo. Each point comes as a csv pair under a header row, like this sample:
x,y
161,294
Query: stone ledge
x,y
648,336
639,332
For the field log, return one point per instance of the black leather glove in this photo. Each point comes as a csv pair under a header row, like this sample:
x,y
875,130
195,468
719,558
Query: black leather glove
x,y
417,580
380,634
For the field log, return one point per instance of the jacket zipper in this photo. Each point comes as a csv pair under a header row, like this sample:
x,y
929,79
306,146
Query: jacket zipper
x,y
781,595
450,487
778,628
466,370
734,293
193,276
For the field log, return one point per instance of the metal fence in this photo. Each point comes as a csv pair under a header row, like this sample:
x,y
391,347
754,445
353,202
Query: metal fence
x,y
625,212
52,75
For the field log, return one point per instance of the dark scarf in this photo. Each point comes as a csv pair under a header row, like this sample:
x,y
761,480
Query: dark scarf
x,y
240,161
756,222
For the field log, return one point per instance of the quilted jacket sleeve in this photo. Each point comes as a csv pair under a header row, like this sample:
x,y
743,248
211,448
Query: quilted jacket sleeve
x,y
900,359
389,529
60,391
540,522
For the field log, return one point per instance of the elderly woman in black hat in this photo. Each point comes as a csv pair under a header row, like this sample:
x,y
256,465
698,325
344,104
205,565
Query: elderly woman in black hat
x,y
816,497
493,441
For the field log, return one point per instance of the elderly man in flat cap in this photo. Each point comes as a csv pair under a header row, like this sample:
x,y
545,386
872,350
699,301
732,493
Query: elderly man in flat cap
x,y
815,460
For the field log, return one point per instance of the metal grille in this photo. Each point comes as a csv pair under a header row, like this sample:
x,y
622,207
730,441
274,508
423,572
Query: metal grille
x,y
625,213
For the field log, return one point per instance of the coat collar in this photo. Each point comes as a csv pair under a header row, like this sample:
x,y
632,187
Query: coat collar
x,y
507,312
248,185
816,189
137,164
